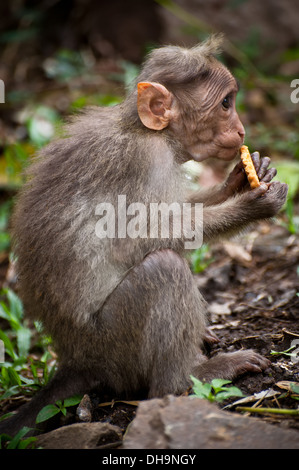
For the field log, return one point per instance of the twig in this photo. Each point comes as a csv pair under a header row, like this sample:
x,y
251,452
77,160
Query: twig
x,y
282,411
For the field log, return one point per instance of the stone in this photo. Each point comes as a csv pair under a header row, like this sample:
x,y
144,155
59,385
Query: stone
x,y
193,423
80,436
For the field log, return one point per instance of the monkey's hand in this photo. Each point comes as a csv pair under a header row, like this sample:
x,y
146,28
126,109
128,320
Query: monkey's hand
x,y
264,201
228,218
237,180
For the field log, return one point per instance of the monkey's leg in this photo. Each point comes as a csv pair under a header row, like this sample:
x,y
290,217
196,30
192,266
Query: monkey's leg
x,y
154,324
158,325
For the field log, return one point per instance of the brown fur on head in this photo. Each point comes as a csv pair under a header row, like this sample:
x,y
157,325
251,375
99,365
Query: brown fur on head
x,y
175,67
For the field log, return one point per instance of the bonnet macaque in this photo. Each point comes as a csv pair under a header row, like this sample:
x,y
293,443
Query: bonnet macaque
x,y
124,311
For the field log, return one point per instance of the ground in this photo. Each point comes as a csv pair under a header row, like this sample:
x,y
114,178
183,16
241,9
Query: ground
x,y
254,304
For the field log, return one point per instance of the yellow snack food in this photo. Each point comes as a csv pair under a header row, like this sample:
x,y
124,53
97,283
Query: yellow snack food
x,y
249,167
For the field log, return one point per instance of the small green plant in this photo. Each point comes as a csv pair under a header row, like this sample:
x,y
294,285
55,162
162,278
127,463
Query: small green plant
x,y
5,211
286,352
292,220
11,309
59,407
17,442
16,159
215,391
295,389
17,342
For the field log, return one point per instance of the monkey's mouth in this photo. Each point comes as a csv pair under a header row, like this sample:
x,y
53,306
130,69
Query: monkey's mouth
x,y
228,153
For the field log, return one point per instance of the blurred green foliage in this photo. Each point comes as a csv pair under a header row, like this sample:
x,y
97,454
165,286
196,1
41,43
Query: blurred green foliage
x,y
200,259
18,441
17,340
65,65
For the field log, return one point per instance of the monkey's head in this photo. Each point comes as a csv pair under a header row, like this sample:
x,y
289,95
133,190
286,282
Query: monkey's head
x,y
191,95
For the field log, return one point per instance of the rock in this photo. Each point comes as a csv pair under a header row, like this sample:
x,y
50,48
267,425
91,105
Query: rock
x,y
84,410
80,436
193,423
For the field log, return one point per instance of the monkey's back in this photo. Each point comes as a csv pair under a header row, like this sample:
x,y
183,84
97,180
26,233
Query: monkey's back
x,y
65,271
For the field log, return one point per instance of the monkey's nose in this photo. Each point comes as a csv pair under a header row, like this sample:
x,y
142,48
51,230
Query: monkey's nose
x,y
241,132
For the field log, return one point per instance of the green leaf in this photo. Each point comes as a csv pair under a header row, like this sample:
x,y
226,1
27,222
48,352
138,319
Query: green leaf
x,y
216,390
4,241
15,305
230,392
23,341
14,376
16,439
4,438
5,416
8,345
24,443
10,392
201,389
218,384
46,413
72,401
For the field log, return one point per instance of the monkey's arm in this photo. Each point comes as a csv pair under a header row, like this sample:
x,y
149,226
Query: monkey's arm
x,y
210,196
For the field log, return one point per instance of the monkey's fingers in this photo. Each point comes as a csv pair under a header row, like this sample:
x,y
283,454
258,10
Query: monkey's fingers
x,y
255,157
269,175
265,162
249,361
249,167
210,337
259,191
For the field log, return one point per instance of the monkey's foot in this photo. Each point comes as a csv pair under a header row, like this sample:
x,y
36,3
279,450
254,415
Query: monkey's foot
x,y
230,365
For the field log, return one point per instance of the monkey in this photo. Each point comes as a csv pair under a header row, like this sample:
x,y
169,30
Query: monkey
x,y
125,313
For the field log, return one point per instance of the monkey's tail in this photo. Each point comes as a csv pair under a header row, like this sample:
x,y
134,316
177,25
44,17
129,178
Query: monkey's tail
x,y
65,383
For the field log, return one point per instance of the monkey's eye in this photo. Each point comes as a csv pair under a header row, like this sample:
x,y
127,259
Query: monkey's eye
x,y
226,102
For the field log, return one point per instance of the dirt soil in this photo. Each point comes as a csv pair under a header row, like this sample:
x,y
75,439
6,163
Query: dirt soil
x,y
252,292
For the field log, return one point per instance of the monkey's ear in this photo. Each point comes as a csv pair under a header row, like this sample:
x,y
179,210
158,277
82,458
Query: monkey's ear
x,y
154,105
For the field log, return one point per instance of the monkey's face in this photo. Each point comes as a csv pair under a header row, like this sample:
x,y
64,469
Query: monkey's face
x,y
204,120
213,127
